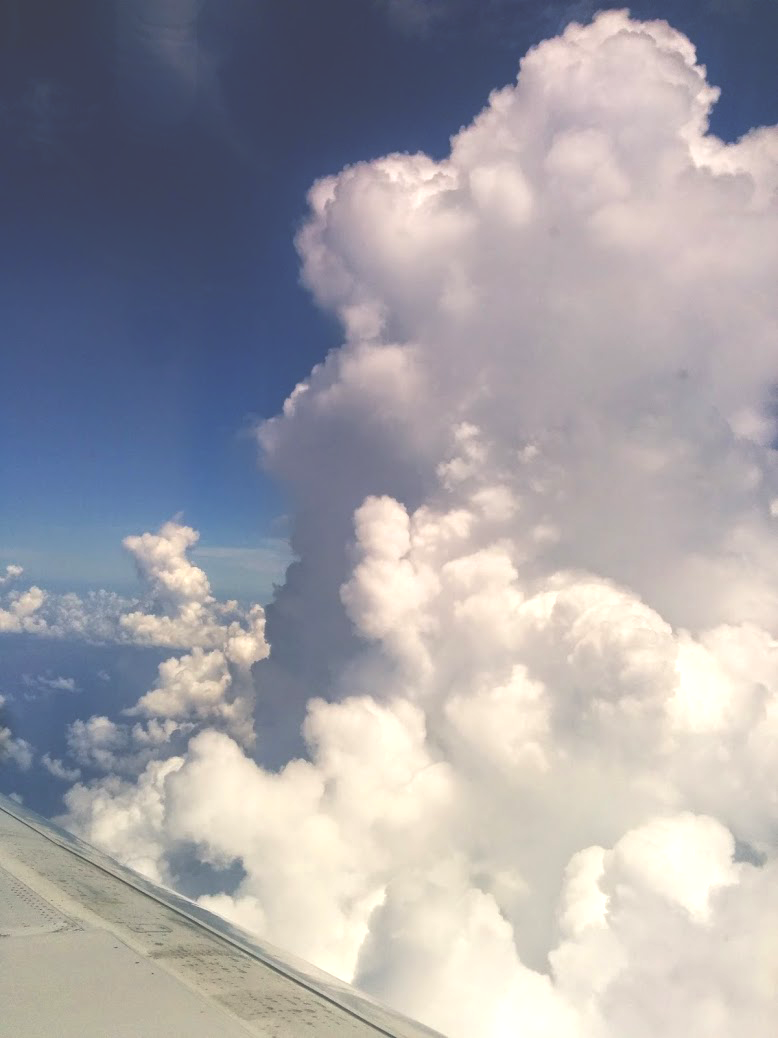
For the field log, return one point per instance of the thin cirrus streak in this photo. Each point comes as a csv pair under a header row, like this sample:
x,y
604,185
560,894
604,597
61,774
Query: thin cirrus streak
x,y
159,67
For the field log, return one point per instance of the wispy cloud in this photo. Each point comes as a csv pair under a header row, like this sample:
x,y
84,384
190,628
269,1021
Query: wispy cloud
x,y
417,15
169,73
46,684
58,770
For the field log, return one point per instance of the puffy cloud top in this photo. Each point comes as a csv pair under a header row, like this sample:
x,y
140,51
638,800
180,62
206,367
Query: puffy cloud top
x,y
12,572
162,563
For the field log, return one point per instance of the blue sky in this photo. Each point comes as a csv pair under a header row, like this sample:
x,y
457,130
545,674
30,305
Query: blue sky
x,y
151,309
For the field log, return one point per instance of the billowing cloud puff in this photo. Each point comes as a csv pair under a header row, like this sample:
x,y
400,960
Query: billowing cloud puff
x,y
200,686
22,612
180,610
126,816
666,911
58,770
211,685
96,742
163,565
12,572
537,585
12,748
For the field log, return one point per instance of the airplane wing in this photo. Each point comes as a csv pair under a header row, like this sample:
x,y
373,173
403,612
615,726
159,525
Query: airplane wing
x,y
91,949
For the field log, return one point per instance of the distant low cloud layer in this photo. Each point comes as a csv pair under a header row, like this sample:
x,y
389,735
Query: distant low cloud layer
x,y
537,528
177,609
210,682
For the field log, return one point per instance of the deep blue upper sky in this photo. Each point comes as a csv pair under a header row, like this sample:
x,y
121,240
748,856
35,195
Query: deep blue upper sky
x,y
149,297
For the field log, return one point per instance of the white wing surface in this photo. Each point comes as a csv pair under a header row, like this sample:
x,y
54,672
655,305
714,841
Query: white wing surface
x,y
91,949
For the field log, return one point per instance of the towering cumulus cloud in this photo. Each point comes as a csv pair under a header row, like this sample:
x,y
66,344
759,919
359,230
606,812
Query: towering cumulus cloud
x,y
536,606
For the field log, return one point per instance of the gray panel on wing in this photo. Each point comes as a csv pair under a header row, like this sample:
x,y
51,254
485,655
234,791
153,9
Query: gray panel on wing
x,y
23,913
89,984
166,950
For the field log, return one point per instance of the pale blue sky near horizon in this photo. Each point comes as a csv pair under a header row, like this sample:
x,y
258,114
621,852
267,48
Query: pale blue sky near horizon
x,y
150,308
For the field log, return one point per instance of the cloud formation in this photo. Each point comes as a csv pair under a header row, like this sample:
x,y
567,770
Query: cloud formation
x,y
12,748
93,617
210,682
12,572
177,608
58,770
536,525
20,613
40,685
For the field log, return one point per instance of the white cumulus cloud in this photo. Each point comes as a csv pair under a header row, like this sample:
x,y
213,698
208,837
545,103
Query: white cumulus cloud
x,y
12,748
536,602
21,612
12,572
